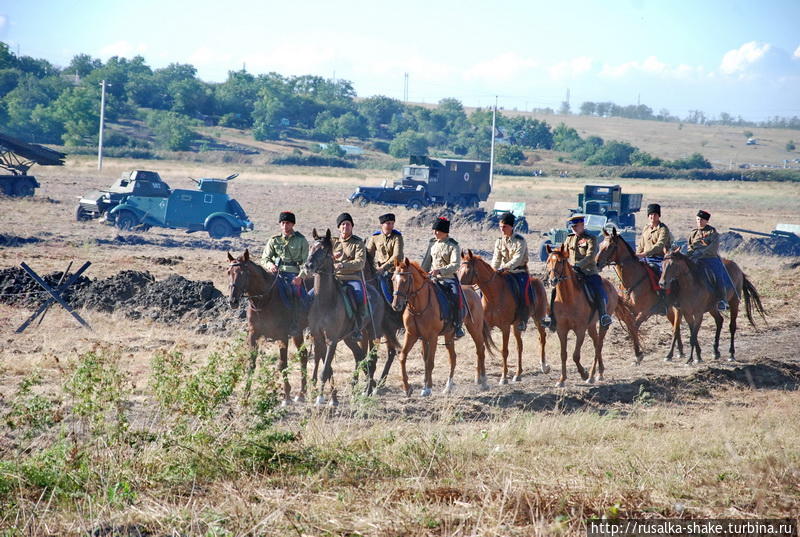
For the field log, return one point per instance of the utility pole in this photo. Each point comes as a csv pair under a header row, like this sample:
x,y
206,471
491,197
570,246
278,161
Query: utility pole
x,y
405,87
102,120
491,152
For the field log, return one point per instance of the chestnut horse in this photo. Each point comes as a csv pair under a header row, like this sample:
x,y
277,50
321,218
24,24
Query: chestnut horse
x,y
639,293
499,306
695,298
267,316
414,291
571,310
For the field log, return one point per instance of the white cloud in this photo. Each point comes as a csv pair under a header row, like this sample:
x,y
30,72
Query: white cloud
x,y
570,68
797,52
506,66
741,59
123,49
3,22
650,66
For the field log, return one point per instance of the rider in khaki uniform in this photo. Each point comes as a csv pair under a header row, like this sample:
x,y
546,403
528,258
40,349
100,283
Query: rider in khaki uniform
x,y
655,239
386,246
349,255
582,248
511,255
704,248
285,254
442,260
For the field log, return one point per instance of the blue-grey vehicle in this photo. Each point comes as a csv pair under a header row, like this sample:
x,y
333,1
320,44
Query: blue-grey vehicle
x,y
142,200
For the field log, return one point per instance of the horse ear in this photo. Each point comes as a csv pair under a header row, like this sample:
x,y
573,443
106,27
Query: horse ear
x,y
605,233
676,250
563,250
314,234
246,255
469,253
406,262
231,258
328,234
614,231
548,248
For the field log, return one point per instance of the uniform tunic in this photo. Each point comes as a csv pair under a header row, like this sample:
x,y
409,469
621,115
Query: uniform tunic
x,y
511,253
386,249
351,254
582,251
704,243
654,241
444,255
288,254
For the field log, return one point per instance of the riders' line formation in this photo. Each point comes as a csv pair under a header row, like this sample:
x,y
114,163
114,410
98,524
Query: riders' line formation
x,y
449,272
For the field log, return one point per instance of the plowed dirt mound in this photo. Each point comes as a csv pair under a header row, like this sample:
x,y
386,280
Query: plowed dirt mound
x,y
772,246
231,244
11,241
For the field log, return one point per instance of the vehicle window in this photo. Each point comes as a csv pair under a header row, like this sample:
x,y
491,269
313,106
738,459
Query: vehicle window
x,y
477,167
208,198
453,166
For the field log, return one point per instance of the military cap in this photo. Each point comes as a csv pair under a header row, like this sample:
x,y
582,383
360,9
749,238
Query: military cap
x,y
704,215
508,219
342,217
577,219
654,208
441,224
388,217
287,216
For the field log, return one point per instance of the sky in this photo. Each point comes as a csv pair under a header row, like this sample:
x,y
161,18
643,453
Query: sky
x,y
736,56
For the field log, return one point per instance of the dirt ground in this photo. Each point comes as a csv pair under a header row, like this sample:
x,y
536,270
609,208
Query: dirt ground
x,y
49,238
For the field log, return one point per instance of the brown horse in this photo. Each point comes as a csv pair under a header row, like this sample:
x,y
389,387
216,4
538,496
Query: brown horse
x,y
498,306
571,310
414,291
267,316
639,293
695,298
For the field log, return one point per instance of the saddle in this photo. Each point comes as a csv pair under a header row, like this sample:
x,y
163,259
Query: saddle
x,y
449,303
291,296
591,296
351,300
521,288
653,275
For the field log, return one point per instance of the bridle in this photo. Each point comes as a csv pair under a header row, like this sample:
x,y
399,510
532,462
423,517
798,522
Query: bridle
x,y
561,276
243,279
611,249
470,264
407,293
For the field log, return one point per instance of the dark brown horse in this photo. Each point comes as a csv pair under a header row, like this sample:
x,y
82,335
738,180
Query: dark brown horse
x,y
499,306
329,322
267,316
571,310
636,282
414,291
695,298
391,322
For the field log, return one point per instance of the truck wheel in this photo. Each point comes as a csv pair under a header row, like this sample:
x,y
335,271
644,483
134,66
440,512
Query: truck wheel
x,y
126,220
219,228
415,204
22,187
521,226
81,214
543,250
362,202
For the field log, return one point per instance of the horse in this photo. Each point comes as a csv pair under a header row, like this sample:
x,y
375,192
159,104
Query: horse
x,y
498,310
639,293
391,322
572,310
415,291
694,298
329,323
267,316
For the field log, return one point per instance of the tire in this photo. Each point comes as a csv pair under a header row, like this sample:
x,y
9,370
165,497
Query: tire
x,y
521,226
126,220
362,202
22,188
543,255
219,228
415,204
81,214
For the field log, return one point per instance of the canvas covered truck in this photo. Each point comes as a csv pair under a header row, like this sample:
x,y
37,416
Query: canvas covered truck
x,y
432,181
16,157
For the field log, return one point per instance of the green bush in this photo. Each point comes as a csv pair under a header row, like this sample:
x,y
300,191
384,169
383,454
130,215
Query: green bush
x,y
312,160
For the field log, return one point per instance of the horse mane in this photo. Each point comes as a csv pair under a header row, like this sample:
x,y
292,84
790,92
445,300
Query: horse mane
x,y
261,270
695,269
627,246
418,267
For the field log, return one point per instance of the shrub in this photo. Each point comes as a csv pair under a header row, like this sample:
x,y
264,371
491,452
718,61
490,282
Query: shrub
x,y
312,160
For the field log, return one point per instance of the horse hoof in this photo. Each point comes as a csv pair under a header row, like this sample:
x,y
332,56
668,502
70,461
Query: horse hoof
x,y
425,392
300,398
449,387
503,381
668,358
731,358
590,380
545,369
333,403
517,378
286,402
560,384
484,386
319,401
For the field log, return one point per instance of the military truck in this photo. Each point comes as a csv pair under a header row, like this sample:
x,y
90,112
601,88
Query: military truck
x,y
17,157
140,200
605,206
432,181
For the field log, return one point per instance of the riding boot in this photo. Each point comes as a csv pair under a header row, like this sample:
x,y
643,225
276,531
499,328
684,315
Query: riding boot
x,y
605,318
294,324
722,303
457,321
358,315
522,317
661,307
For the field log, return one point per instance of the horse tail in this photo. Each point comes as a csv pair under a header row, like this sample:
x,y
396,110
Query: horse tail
x,y
624,312
752,300
541,298
488,342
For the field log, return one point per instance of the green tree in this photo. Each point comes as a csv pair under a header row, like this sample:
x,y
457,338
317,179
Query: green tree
x,y
642,158
508,154
378,112
613,153
693,161
172,130
79,111
352,124
333,150
82,65
408,143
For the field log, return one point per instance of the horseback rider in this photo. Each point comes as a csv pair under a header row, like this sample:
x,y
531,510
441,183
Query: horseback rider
x,y
704,248
349,256
511,256
582,248
442,260
285,255
386,247
655,239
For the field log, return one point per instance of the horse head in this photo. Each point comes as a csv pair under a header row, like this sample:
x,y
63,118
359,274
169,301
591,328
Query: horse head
x,y
320,255
674,266
407,276
238,277
608,253
466,271
558,268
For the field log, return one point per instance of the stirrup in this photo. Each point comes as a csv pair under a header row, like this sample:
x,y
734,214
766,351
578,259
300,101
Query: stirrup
x,y
722,305
459,332
546,321
606,320
522,325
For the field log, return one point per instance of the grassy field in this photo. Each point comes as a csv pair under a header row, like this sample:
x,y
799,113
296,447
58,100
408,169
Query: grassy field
x,y
142,426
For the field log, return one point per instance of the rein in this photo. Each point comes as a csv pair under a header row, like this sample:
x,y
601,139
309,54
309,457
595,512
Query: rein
x,y
252,298
618,269
412,294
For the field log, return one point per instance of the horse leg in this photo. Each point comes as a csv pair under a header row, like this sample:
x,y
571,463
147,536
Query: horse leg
x,y
694,331
475,330
252,343
283,368
391,352
562,337
504,377
518,337
451,349
302,353
677,333
327,374
542,341
597,341
580,335
734,303
672,316
717,330
429,351
408,343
